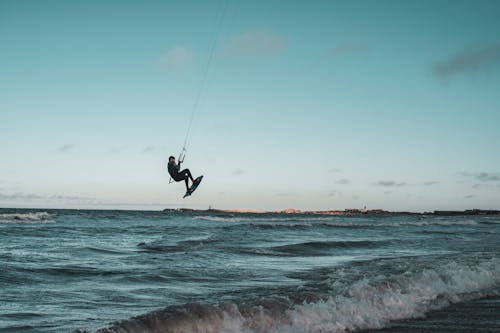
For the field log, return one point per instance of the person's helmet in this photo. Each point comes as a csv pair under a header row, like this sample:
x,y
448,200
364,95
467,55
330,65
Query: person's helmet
x,y
171,157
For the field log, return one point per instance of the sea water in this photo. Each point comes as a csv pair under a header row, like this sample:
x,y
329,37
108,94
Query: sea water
x,y
136,271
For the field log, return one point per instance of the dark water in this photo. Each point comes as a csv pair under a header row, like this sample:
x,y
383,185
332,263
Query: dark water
x,y
118,271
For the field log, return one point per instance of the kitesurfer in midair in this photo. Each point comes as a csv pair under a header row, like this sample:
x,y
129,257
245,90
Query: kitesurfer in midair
x,y
176,174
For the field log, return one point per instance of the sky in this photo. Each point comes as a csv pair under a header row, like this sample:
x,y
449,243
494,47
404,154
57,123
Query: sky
x,y
306,104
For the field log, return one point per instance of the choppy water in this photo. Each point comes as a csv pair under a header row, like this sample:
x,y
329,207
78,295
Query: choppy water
x,y
119,271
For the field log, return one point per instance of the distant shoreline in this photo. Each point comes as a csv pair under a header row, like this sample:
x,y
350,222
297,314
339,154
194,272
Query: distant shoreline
x,y
345,212
289,211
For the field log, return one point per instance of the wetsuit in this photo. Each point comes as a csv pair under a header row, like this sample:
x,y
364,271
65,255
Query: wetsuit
x,y
173,170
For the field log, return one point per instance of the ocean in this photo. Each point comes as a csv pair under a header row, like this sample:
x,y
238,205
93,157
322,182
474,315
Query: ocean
x,y
139,271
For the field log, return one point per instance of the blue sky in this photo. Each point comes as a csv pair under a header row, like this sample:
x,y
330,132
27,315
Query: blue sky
x,y
311,105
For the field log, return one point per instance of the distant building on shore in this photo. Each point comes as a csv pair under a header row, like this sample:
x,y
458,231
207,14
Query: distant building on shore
x,y
291,211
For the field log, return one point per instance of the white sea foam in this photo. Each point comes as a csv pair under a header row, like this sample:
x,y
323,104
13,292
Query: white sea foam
x,y
33,217
370,303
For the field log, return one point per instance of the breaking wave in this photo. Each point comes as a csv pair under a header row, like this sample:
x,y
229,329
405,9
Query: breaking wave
x,y
36,217
366,303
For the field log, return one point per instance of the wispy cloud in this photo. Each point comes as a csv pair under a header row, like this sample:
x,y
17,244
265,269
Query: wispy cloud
x,y
255,43
469,61
390,183
486,177
334,170
482,176
177,56
237,172
34,196
343,181
20,196
430,183
67,197
335,193
66,148
148,149
470,196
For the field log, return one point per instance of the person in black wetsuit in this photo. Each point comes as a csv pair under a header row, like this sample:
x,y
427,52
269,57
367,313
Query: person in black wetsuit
x,y
178,176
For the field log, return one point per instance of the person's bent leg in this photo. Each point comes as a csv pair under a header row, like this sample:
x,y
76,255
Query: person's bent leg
x,y
188,173
187,184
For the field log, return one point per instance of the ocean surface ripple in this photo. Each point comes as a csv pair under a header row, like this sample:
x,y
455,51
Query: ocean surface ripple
x,y
133,271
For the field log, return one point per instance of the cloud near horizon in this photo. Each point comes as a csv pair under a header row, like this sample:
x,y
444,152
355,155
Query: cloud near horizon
x,y
469,61
390,183
343,181
66,148
430,183
254,43
34,196
237,172
482,176
148,149
335,193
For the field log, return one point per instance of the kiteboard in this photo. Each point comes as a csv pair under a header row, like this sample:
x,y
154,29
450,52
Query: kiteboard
x,y
196,182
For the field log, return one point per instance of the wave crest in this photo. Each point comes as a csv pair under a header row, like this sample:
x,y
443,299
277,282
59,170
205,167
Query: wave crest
x,y
369,303
33,217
